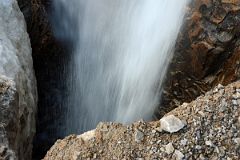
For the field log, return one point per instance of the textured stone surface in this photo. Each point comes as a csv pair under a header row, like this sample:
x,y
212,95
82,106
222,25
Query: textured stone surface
x,y
171,124
7,95
17,111
207,52
50,64
210,133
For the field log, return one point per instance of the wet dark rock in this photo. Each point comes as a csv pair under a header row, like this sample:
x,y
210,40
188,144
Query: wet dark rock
x,y
50,64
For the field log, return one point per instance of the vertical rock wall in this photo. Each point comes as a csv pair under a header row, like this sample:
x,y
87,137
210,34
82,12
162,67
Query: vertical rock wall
x,y
50,63
17,117
207,52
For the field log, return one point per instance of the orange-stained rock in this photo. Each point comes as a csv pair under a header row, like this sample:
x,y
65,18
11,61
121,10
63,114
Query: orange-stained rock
x,y
206,52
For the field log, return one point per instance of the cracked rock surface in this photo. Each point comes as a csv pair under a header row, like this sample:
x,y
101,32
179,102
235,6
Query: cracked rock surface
x,y
18,91
207,52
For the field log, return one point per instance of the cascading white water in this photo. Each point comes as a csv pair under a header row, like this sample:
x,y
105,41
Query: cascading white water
x,y
121,51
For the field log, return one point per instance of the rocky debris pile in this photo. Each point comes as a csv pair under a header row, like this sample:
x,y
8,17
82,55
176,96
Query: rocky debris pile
x,y
18,92
207,128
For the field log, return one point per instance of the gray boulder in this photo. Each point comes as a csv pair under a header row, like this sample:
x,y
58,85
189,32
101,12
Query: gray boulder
x,y
18,92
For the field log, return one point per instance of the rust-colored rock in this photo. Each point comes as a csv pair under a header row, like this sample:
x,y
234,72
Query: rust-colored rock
x,y
207,52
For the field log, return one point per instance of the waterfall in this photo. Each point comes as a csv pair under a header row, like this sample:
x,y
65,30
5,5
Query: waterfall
x,y
120,54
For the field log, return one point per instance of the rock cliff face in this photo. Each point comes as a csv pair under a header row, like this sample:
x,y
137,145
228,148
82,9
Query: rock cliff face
x,y
207,52
50,61
207,128
18,93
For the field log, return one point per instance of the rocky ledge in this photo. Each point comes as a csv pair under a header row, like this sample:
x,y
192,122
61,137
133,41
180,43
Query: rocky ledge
x,y
207,128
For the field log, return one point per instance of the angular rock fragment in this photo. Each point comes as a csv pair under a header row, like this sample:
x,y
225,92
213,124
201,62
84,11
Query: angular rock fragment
x,y
139,136
171,124
169,148
178,155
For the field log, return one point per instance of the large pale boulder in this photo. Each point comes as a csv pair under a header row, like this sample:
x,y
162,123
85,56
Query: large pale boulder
x,y
18,109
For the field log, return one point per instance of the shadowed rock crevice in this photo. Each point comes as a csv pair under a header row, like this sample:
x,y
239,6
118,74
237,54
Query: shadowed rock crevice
x,y
206,128
50,64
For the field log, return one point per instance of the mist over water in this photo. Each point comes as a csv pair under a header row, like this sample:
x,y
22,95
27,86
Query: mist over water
x,y
120,54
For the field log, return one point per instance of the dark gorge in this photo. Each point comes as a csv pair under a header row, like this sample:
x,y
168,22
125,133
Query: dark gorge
x,y
207,53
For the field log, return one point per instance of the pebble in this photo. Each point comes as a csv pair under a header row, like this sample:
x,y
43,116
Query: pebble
x,y
198,147
139,136
154,131
238,90
198,134
159,129
223,105
169,149
171,124
209,143
162,149
184,142
75,155
236,96
159,141
220,86
215,90
179,155
237,141
201,113
235,103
